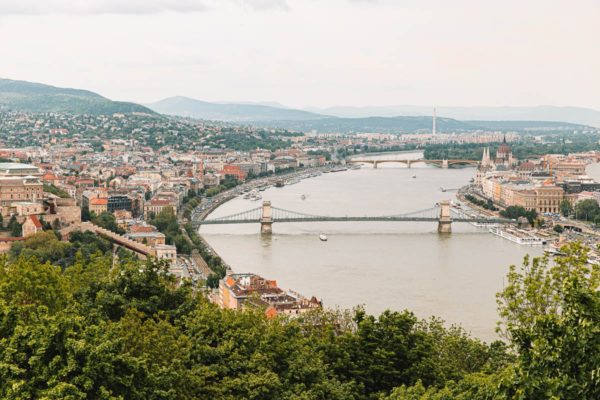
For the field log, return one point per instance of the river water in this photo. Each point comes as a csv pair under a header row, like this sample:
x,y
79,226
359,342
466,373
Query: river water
x,y
381,265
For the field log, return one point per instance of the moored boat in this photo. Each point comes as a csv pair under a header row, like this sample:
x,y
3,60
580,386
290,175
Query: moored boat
x,y
518,236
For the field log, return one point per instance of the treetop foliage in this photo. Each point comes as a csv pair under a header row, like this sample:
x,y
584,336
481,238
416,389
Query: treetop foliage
x,y
93,327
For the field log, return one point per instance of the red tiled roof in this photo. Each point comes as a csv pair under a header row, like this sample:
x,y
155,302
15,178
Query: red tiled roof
x,y
99,202
36,221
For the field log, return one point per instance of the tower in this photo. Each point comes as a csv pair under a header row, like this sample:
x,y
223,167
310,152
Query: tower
x,y
433,127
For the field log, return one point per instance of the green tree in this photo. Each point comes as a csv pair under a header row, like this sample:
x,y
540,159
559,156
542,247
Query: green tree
x,y
550,314
85,214
587,209
558,228
15,228
107,221
566,209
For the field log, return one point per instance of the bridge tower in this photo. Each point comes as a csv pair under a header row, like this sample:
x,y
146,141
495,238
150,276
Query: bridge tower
x,y
266,221
445,221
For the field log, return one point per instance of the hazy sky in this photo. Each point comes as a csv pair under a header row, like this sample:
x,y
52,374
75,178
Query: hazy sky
x,y
311,52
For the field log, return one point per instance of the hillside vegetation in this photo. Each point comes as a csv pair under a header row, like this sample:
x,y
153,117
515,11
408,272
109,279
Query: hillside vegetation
x,y
36,97
73,325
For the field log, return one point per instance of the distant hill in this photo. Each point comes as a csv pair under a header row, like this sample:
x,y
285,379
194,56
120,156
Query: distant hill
x,y
416,124
575,115
233,112
37,97
538,126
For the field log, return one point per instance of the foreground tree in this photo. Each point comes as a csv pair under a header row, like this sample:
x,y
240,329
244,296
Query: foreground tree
x,y
551,316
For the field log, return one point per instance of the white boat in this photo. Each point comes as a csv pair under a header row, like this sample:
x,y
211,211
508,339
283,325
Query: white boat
x,y
323,237
553,251
487,225
518,236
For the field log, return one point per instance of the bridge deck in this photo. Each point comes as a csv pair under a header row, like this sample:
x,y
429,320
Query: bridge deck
x,y
350,219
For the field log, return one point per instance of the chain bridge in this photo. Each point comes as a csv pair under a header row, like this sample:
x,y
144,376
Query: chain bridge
x,y
266,215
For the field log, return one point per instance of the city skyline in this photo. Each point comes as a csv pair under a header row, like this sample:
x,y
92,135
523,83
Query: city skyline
x,y
309,53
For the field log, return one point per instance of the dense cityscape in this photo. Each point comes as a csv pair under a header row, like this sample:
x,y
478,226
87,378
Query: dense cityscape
x,y
286,199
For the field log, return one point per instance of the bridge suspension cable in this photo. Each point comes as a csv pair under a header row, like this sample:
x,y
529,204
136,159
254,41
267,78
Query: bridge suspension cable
x,y
250,215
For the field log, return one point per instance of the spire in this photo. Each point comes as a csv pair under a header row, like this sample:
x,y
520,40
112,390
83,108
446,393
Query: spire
x,y
504,140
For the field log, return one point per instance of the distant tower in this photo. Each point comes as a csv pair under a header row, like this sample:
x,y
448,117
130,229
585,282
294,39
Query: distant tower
x,y
433,128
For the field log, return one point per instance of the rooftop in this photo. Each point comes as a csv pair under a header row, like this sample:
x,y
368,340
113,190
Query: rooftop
x,y
16,166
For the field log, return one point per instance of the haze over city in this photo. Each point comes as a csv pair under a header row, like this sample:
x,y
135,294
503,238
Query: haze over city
x,y
311,53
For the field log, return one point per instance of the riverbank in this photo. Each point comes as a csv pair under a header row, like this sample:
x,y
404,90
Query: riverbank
x,y
209,204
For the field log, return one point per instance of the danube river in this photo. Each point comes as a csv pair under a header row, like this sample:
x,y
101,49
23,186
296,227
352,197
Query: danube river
x,y
381,265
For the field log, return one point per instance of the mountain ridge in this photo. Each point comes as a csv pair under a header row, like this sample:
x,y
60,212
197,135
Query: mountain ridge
x,y
231,112
28,96
571,114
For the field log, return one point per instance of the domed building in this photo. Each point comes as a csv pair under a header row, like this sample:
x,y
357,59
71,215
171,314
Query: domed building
x,y
504,156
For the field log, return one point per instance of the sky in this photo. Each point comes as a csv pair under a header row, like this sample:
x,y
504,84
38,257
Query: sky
x,y
316,53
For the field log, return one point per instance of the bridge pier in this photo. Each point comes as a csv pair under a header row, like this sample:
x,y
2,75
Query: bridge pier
x,y
445,164
445,221
266,221
374,164
408,164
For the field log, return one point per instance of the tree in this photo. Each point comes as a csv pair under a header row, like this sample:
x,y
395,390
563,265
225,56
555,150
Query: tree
x,y
514,212
85,214
558,228
566,208
550,314
587,209
107,221
15,228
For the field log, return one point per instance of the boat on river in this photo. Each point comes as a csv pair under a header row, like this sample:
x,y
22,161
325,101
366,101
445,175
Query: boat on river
x,y
519,236
323,237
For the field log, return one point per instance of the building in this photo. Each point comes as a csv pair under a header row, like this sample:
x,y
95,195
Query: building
x,y
152,238
548,198
13,189
118,202
166,252
18,169
156,206
239,291
31,226
98,205
234,289
234,170
21,208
